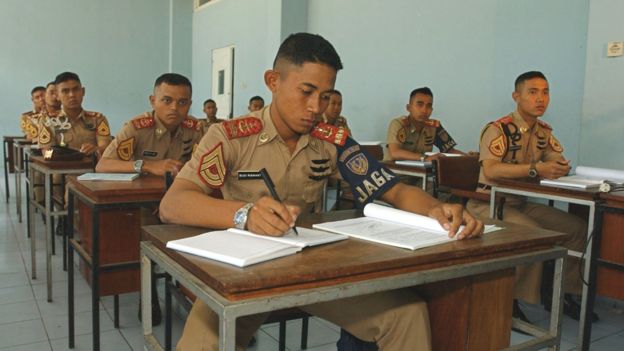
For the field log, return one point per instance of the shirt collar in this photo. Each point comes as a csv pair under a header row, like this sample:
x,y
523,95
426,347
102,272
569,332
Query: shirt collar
x,y
269,132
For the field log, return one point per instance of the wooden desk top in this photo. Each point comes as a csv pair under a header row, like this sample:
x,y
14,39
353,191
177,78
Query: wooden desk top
x,y
144,188
10,138
86,162
345,261
614,199
534,186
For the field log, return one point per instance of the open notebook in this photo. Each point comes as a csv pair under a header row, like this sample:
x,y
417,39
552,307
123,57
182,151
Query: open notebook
x,y
114,177
389,226
243,248
590,178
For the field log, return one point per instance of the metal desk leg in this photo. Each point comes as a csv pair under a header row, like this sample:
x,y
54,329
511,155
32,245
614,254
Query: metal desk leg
x,y
70,269
95,279
28,214
6,169
585,319
15,172
18,182
492,202
146,296
32,234
168,286
557,297
49,235
227,332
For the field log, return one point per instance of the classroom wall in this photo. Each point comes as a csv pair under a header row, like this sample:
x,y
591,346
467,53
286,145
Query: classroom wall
x,y
602,142
117,47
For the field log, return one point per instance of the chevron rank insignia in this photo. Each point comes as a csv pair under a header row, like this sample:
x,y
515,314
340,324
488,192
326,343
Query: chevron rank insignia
x,y
554,143
498,146
125,149
211,168
44,136
330,133
242,127
102,129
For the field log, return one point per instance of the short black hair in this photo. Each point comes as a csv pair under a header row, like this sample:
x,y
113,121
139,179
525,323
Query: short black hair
x,y
254,98
66,76
36,89
51,83
300,48
209,100
336,91
423,90
173,79
527,76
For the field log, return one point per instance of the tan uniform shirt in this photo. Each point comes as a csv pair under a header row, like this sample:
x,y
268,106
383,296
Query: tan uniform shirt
x,y
89,127
145,137
510,140
38,120
205,123
250,144
402,131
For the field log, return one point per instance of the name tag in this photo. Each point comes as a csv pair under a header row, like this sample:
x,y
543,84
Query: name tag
x,y
150,153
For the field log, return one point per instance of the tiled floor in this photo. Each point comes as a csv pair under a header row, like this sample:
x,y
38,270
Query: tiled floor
x,y
29,322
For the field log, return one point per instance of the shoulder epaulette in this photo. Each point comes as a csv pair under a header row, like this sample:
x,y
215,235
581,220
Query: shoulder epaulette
x,y
544,124
143,122
191,123
432,123
242,127
28,113
504,120
92,114
330,133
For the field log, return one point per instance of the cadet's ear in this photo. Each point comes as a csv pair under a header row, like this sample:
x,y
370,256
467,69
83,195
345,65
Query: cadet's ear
x,y
515,96
271,79
407,107
152,99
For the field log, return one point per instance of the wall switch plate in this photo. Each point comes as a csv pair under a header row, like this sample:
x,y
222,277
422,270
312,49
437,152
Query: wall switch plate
x,y
615,48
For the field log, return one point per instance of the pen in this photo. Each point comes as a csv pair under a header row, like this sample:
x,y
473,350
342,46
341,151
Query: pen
x,y
269,183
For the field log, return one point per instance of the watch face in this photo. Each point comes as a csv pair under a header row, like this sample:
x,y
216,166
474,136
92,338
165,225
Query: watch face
x,y
532,173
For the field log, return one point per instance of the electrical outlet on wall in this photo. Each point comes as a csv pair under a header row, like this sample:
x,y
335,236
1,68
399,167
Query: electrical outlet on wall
x,y
615,48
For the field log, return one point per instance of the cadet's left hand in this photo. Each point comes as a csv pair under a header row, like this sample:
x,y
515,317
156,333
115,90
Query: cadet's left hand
x,y
88,149
451,216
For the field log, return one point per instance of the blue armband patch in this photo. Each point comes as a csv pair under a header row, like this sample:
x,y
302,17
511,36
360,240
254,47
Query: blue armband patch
x,y
368,178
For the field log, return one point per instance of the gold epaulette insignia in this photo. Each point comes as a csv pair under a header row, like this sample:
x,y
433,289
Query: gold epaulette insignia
x,y
143,122
242,127
505,120
544,124
102,129
330,133
190,123
432,123
125,149
211,168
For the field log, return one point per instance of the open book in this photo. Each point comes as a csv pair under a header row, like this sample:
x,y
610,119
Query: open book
x,y
114,177
243,248
389,226
433,153
422,164
590,178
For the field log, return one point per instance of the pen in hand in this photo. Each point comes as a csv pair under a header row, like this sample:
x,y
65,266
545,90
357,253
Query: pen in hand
x,y
269,183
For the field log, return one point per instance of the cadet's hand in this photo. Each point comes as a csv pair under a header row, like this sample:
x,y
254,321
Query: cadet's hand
x,y
451,216
161,167
270,217
553,169
88,148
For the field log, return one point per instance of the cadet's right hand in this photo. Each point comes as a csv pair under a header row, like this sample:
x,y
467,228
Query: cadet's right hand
x,y
161,167
553,169
270,217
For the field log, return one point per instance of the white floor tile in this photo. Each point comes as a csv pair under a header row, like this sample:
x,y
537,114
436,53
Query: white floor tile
x,y
21,333
57,325
110,340
38,346
16,294
17,312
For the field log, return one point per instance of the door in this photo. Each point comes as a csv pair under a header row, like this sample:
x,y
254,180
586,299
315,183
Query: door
x,y
223,80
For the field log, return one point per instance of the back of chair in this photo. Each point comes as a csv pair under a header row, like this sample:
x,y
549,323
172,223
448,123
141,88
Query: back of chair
x,y
375,151
458,172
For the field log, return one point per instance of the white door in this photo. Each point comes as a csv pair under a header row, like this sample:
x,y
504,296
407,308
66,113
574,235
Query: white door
x,y
222,80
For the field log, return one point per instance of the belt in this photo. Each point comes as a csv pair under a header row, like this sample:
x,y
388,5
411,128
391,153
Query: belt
x,y
484,186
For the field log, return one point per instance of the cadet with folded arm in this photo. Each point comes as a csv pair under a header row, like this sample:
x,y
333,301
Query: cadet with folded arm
x,y
299,156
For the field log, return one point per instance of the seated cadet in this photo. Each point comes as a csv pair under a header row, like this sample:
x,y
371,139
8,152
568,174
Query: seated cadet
x,y
409,137
52,108
332,113
210,109
518,146
256,103
28,119
159,141
299,156
89,132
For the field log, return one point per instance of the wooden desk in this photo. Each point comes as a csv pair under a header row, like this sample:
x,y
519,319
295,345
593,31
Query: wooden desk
x,y
49,169
7,152
473,279
573,196
109,228
412,171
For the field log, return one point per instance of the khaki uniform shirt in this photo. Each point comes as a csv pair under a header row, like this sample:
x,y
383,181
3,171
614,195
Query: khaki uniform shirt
x,y
402,131
205,123
510,140
145,137
250,144
89,127
38,120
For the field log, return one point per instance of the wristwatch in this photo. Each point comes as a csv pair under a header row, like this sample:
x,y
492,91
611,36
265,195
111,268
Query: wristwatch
x,y
532,170
138,166
241,215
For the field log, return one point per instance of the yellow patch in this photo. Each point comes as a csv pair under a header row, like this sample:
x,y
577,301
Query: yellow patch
x,y
102,129
125,149
32,131
554,143
498,146
211,168
401,135
44,136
